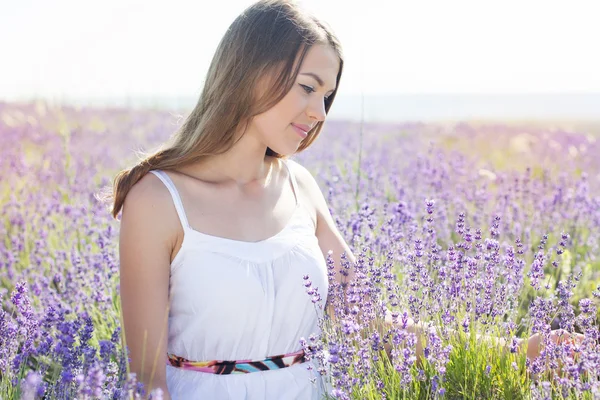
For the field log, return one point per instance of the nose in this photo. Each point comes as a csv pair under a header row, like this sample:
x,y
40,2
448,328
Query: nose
x,y
316,109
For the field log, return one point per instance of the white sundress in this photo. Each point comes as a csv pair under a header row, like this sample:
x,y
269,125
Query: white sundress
x,y
237,300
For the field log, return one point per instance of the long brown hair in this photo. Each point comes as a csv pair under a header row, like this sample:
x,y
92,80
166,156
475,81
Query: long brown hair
x,y
269,38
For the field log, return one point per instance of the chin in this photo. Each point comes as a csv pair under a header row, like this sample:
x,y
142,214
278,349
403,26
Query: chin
x,y
284,150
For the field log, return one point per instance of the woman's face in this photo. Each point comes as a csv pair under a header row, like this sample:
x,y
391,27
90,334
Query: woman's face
x,y
303,105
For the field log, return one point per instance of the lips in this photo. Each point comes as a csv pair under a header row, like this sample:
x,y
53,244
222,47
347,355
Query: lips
x,y
305,128
302,133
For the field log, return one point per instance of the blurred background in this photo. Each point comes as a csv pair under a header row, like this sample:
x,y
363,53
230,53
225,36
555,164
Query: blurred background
x,y
405,60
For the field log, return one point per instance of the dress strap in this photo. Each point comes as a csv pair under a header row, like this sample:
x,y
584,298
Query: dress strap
x,y
174,194
293,179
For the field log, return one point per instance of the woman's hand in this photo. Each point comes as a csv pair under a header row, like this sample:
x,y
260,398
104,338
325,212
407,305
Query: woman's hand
x,y
558,336
411,327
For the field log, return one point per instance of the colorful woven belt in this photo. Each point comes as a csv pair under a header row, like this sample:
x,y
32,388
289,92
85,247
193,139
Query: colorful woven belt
x,y
240,366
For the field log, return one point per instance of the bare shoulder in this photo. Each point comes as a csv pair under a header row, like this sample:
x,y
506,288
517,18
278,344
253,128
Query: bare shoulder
x,y
149,185
148,210
308,184
147,200
330,238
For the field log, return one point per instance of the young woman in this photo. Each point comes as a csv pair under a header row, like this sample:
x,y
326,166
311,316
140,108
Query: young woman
x,y
218,227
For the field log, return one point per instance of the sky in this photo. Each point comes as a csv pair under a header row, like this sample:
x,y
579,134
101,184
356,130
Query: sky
x,y
117,48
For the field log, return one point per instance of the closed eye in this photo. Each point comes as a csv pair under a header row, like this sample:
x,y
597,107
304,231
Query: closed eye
x,y
310,90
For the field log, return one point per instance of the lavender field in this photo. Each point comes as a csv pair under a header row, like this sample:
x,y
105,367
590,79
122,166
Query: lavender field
x,y
469,228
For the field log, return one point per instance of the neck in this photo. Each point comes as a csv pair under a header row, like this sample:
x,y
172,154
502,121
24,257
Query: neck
x,y
243,164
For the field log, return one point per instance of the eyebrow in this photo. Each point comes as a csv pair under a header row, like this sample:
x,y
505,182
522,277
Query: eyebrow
x,y
317,78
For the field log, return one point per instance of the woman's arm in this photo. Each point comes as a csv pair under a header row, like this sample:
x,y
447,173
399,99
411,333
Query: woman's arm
x,y
532,346
327,233
330,239
145,245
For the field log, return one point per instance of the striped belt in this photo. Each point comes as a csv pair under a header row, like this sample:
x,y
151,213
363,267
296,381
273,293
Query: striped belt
x,y
239,366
